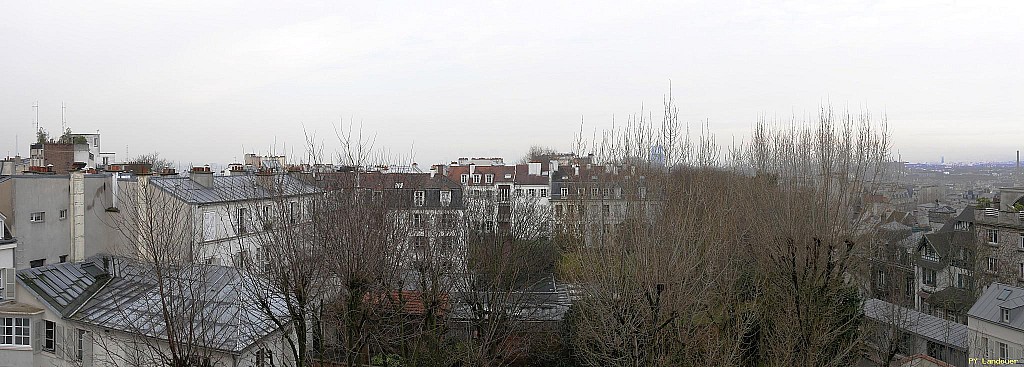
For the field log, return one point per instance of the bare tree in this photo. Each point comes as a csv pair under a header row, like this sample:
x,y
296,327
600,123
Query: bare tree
x,y
168,300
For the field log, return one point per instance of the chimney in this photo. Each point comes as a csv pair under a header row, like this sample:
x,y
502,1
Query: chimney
x,y
77,216
202,176
472,169
553,166
1018,161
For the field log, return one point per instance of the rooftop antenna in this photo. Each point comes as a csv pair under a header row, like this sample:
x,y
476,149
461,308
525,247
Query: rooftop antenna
x,y
35,107
63,122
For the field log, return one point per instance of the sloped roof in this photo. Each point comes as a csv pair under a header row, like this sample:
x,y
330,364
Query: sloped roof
x,y
523,176
232,188
989,305
381,181
922,324
216,302
945,242
499,173
62,286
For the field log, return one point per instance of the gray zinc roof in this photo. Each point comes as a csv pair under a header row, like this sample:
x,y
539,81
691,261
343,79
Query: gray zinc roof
x,y
233,188
996,297
63,286
216,303
922,324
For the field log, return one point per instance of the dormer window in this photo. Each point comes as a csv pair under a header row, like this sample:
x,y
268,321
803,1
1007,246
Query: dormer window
x,y
418,198
464,178
476,178
1004,314
488,178
446,197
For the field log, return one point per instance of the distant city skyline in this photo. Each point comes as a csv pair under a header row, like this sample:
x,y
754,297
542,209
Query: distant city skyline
x,y
205,82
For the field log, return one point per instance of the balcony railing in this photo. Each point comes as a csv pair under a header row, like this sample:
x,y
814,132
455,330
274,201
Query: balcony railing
x,y
997,217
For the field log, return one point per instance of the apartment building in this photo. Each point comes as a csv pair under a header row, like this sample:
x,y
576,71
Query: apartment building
x,y
995,326
1000,227
428,206
222,215
99,312
52,218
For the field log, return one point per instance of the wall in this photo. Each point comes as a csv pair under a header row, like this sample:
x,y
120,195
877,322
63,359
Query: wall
x,y
978,328
41,240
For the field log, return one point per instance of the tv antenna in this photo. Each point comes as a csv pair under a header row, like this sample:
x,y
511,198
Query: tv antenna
x,y
63,122
35,107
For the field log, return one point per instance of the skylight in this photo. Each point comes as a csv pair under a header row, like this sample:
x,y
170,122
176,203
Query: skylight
x,y
1003,296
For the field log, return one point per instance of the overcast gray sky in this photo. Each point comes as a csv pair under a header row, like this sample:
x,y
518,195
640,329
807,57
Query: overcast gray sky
x,y
199,81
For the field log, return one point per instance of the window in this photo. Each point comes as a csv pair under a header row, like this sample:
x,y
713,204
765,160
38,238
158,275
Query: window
x,y
49,337
241,259
417,198
264,357
209,225
1021,275
476,178
519,193
447,221
15,331
1004,314
446,198
488,178
607,192
1004,351
37,263
241,226
419,246
606,210
417,220
544,194
881,278
63,214
63,258
37,217
594,192
964,281
464,178
992,264
928,277
1020,243
929,253
963,226
643,192
984,346
377,196
564,192
993,236
199,361
530,192
293,212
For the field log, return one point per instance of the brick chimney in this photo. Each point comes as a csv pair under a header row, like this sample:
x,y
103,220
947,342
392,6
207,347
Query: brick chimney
x,y
202,176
